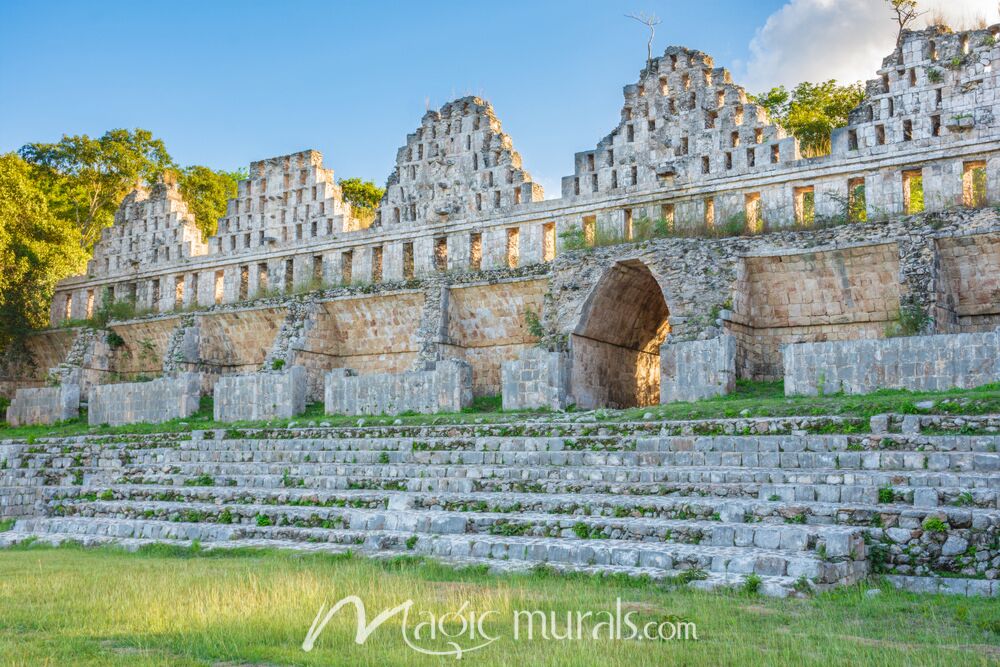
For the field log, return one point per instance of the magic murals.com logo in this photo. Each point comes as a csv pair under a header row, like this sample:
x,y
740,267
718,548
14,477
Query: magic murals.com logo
x,y
464,630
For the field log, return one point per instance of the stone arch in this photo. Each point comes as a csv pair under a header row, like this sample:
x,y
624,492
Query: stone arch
x,y
616,345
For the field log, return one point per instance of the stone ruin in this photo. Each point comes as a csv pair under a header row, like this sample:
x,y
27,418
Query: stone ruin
x,y
758,247
463,286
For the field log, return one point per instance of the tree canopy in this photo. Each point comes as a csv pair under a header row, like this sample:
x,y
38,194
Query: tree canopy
x,y
361,194
206,192
811,111
37,249
85,179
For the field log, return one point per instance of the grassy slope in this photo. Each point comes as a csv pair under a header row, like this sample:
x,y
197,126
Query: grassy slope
x,y
759,399
89,607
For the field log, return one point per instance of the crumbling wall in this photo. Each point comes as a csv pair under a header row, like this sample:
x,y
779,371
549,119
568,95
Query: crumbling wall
x,y
286,201
458,164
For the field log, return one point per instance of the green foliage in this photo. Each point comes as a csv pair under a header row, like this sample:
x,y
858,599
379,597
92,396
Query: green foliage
x,y
751,585
886,495
264,520
534,323
913,320
411,542
934,75
934,524
37,249
573,238
85,179
363,196
811,111
277,364
206,192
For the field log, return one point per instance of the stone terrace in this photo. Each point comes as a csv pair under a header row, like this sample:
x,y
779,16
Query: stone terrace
x,y
709,502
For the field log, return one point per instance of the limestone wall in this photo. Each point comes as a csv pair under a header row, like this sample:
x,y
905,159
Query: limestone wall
x,y
918,363
140,347
487,325
839,294
257,396
30,367
695,370
444,387
44,405
152,402
538,378
969,283
374,334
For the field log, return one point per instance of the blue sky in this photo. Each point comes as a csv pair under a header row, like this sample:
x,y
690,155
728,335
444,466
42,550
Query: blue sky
x,y
224,83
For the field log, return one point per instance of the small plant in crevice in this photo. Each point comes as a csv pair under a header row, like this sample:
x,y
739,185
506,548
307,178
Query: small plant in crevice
x,y
751,585
277,364
934,524
534,323
886,495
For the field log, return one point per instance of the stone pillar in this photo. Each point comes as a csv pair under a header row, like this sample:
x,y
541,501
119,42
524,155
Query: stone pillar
x,y
694,370
536,379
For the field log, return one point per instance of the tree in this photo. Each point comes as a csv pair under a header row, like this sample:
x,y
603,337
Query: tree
x,y
650,22
361,194
85,179
206,192
37,249
904,14
811,111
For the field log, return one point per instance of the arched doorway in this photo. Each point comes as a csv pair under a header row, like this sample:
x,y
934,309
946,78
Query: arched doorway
x,y
616,346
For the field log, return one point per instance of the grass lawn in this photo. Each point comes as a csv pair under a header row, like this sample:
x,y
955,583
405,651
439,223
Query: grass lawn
x,y
73,606
757,399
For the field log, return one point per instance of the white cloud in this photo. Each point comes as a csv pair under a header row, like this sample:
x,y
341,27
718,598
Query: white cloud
x,y
816,40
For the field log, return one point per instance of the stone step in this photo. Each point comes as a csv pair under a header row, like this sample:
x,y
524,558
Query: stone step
x,y
843,460
562,505
608,505
745,444
769,585
666,556
833,540
832,486
581,473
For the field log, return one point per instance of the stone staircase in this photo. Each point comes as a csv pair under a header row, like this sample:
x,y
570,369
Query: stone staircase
x,y
712,503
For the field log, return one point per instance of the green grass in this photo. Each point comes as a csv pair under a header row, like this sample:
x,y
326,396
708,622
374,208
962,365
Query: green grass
x,y
755,399
164,606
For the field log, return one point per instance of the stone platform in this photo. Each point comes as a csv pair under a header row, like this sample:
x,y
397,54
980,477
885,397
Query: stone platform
x,y
709,502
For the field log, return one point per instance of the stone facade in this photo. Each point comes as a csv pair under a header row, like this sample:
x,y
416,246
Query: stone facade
x,y
150,402
699,369
44,405
918,363
444,387
690,148
538,378
462,249
258,396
